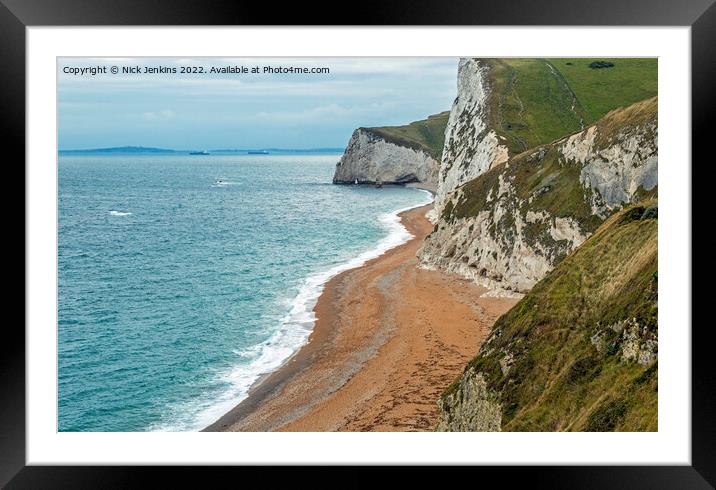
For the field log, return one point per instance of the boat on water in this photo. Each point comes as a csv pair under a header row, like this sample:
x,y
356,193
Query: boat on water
x,y
258,152
198,153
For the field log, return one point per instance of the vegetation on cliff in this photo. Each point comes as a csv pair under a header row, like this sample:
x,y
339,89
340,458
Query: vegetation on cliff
x,y
511,225
545,163
545,180
427,135
579,351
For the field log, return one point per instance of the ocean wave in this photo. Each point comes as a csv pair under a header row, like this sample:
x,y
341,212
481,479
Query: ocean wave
x,y
295,328
119,213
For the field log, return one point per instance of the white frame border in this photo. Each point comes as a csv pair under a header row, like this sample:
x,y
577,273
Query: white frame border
x,y
671,445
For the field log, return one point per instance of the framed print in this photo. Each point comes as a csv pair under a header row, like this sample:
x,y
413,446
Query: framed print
x,y
316,244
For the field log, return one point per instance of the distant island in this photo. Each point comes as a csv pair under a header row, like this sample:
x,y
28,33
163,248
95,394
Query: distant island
x,y
122,149
152,150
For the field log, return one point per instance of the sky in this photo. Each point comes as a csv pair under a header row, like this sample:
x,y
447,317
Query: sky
x,y
244,110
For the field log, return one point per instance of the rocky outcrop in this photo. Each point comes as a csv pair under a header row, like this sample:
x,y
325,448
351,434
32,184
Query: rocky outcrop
x,y
619,163
633,342
507,228
370,158
469,406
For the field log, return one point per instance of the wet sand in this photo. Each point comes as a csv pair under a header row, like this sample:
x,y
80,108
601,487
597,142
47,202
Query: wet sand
x,y
388,340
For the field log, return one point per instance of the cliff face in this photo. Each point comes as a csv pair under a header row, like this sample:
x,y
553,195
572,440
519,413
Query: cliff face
x,y
471,146
579,351
394,154
507,228
369,158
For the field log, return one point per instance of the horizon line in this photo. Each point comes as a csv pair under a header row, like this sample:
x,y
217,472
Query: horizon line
x,y
174,150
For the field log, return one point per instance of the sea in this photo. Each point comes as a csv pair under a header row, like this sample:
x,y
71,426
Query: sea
x,y
184,278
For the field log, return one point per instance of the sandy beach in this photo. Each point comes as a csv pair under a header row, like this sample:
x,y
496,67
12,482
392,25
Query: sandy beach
x,y
389,338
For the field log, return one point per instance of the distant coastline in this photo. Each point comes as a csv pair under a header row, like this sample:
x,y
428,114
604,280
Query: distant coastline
x,y
136,150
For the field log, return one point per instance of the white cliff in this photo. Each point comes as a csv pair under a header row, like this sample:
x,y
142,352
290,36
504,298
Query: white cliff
x,y
509,227
471,146
370,158
616,172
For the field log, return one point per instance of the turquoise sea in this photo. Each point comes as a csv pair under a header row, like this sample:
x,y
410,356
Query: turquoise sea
x,y
183,278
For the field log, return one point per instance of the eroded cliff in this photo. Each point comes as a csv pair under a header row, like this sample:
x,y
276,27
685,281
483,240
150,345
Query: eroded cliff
x,y
471,146
369,159
394,154
507,228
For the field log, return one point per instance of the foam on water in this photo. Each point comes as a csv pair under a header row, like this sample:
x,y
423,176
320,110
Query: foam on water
x,y
223,183
119,213
292,334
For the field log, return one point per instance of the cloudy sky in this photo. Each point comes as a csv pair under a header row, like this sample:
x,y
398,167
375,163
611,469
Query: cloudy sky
x,y
212,111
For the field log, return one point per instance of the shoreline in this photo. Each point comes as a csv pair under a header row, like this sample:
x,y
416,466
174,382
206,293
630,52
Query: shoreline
x,y
256,393
367,330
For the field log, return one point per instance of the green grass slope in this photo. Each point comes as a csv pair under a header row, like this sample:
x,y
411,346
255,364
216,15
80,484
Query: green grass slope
x,y
577,353
427,135
534,101
600,90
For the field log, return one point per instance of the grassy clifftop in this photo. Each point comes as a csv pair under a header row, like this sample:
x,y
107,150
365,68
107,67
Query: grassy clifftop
x,y
578,352
535,101
427,134
601,90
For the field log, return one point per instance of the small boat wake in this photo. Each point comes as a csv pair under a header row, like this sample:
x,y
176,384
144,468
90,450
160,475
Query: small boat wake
x,y
224,183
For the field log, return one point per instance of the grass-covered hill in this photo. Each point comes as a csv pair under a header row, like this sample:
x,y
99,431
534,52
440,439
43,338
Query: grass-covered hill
x,y
579,351
427,134
535,101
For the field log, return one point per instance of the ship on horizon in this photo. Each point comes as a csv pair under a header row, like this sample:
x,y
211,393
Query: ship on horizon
x,y
201,152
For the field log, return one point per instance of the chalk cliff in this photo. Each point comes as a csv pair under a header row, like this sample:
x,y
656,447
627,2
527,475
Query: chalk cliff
x,y
471,146
369,159
507,228
394,154
548,189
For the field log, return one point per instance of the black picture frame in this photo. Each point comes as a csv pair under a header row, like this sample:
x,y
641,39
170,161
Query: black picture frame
x,y
700,15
